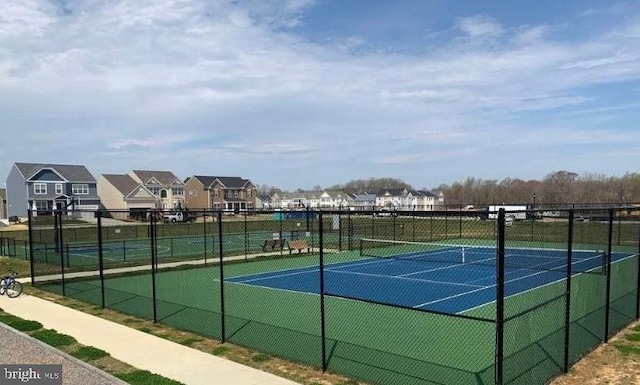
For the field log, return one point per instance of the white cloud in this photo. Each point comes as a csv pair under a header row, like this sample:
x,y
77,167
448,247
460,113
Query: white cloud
x,y
476,26
227,81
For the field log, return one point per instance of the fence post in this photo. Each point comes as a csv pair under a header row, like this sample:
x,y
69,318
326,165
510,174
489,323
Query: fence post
x,y
124,250
222,324
60,247
460,213
246,236
567,310
607,305
152,233
340,230
500,300
33,270
322,315
638,279
413,225
204,234
101,256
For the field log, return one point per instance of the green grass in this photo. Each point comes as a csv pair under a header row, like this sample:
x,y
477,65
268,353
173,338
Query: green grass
x,y
89,353
219,350
627,349
19,323
144,377
632,337
260,357
53,338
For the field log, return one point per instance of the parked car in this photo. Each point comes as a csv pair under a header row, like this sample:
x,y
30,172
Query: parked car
x,y
178,216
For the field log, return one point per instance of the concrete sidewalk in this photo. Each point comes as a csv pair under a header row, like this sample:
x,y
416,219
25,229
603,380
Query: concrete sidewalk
x,y
142,350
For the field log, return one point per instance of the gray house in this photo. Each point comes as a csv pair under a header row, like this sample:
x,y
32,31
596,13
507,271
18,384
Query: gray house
x,y
47,186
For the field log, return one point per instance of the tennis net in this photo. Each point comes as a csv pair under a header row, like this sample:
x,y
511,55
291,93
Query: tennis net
x,y
590,261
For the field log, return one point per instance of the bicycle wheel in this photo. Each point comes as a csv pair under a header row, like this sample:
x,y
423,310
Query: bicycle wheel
x,y
2,289
14,289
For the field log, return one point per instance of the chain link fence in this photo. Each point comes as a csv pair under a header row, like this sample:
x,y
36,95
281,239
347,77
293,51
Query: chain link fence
x,y
442,297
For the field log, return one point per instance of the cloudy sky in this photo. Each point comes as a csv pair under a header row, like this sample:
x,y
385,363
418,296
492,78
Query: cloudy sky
x,y
297,93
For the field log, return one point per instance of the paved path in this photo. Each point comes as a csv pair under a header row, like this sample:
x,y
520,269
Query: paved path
x,y
142,350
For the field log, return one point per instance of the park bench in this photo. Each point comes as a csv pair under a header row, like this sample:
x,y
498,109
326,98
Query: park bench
x,y
273,244
300,245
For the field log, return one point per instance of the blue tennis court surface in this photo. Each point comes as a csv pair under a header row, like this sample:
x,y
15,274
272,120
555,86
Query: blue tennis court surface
x,y
450,281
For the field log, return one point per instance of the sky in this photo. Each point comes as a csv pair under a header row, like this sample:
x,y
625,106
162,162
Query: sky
x,y
300,93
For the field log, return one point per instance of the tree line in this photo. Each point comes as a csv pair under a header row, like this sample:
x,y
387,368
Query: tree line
x,y
560,187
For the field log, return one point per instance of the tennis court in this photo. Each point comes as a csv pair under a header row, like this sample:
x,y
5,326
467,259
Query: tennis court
x,y
442,278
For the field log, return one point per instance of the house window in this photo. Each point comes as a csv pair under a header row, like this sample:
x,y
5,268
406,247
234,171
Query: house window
x,y
80,189
155,190
215,193
216,206
58,188
40,188
249,192
235,193
42,205
163,193
193,193
177,191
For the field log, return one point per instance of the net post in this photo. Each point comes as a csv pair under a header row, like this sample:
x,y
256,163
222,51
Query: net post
x,y
322,309
608,293
31,259
567,310
152,233
221,272
101,257
499,364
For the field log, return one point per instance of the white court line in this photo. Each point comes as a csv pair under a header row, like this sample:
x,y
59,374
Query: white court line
x,y
434,269
487,287
268,287
537,287
402,278
276,276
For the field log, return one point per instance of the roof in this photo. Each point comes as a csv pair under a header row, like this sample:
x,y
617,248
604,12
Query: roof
x,y
70,172
227,181
123,183
164,177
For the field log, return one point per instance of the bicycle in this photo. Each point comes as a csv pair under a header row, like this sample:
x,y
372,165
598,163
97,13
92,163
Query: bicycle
x,y
10,286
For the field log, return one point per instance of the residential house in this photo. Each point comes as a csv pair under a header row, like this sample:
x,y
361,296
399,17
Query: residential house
x,y
227,193
124,197
314,200
44,187
3,204
167,187
363,201
408,200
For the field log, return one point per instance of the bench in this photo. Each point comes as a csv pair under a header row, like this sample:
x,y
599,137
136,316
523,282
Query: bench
x,y
299,244
273,244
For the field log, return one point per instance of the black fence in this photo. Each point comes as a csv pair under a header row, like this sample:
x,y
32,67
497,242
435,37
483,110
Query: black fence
x,y
438,297
12,247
